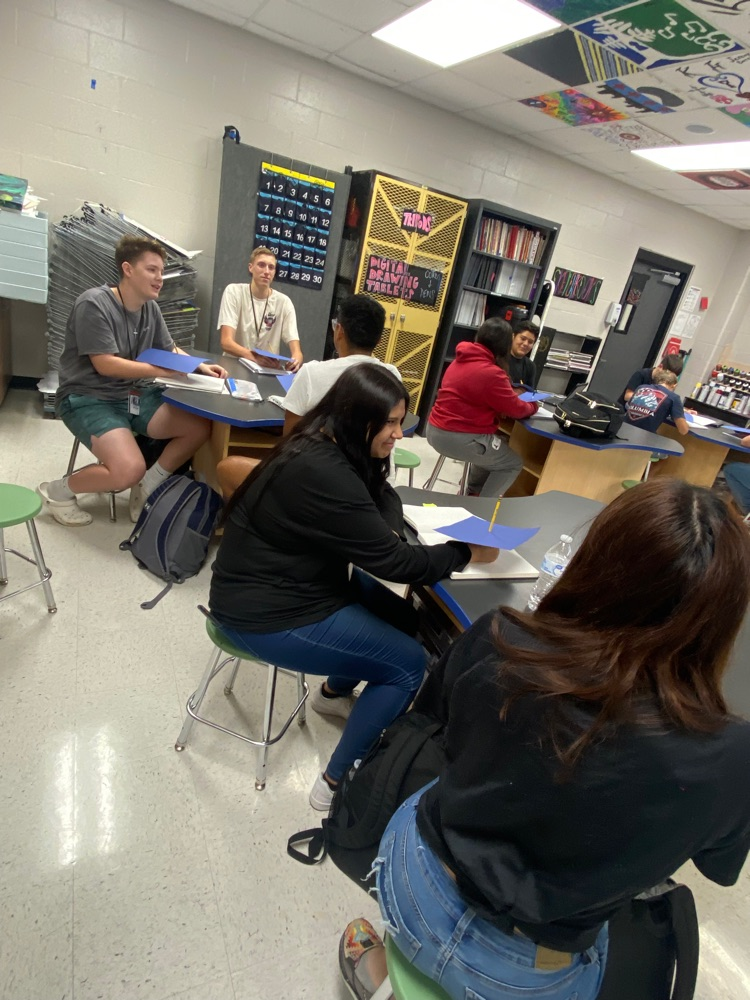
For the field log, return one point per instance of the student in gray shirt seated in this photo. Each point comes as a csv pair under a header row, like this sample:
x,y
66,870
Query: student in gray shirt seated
x,y
103,398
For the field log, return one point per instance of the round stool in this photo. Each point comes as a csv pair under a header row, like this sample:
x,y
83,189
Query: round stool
x,y
408,983
225,652
403,459
628,484
19,505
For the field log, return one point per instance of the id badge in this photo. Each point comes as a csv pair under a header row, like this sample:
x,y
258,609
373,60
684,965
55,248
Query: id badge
x,y
134,402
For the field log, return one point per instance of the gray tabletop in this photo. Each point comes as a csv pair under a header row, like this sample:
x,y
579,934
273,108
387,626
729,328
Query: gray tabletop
x,y
241,412
628,437
557,513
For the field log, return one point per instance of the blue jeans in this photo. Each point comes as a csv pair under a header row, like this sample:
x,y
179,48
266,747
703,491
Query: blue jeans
x,y
355,644
737,475
444,938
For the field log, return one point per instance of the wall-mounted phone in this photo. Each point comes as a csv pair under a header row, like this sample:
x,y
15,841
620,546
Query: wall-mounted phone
x,y
613,313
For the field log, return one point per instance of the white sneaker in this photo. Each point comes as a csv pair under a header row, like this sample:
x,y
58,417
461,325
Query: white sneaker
x,y
137,500
321,794
341,706
65,512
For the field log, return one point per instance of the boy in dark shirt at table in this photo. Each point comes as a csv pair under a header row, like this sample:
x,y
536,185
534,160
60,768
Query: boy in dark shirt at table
x,y
650,405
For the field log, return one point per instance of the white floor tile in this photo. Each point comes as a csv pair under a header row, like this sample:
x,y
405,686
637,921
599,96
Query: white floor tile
x,y
128,870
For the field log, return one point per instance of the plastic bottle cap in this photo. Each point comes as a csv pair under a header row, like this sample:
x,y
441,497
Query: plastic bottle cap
x,y
565,538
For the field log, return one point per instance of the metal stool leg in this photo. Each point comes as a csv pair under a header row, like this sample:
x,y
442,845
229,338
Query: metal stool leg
x,y
435,473
73,457
44,573
260,765
411,477
464,479
112,508
229,686
3,562
195,699
302,697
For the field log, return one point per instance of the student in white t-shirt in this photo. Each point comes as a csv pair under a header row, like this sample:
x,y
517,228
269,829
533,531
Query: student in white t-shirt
x,y
255,315
356,331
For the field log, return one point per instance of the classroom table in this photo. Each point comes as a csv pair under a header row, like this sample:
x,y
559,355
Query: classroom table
x,y
706,450
451,606
238,426
553,460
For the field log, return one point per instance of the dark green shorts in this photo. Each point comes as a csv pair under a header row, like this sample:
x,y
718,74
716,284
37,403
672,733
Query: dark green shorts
x,y
87,416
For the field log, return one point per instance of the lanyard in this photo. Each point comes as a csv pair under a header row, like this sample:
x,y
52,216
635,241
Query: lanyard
x,y
258,327
132,346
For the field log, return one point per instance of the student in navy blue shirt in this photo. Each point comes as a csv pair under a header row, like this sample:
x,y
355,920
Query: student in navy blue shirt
x,y
650,405
645,376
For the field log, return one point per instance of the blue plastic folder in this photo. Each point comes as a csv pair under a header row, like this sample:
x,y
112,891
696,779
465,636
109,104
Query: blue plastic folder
x,y
535,397
475,531
269,354
285,381
184,363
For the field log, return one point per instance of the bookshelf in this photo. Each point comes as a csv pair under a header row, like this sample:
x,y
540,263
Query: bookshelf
x,y
500,268
564,360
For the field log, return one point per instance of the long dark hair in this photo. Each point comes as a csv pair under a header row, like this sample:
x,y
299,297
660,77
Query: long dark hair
x,y
497,336
642,623
351,413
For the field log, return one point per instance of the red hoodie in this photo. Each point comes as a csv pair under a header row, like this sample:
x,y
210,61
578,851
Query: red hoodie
x,y
475,394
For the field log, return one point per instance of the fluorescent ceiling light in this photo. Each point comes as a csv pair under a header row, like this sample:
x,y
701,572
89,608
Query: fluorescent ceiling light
x,y
446,32
707,156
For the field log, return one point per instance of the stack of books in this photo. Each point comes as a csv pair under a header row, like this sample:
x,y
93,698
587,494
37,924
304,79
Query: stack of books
x,y
507,239
569,361
471,309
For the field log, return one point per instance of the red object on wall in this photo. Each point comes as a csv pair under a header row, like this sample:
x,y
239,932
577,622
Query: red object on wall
x,y
673,346
704,302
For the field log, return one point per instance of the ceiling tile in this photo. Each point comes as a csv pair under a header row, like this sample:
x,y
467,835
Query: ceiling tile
x,y
366,74
499,72
212,10
725,127
386,60
516,119
361,14
292,21
450,91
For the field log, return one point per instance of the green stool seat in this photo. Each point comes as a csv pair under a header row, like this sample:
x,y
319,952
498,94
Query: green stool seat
x,y
408,983
628,484
403,459
19,505
218,638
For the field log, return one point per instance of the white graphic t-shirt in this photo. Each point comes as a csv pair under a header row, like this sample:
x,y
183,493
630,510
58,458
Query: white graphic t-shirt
x,y
263,323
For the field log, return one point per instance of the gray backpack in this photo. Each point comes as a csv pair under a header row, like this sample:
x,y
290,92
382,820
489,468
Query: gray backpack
x,y
170,538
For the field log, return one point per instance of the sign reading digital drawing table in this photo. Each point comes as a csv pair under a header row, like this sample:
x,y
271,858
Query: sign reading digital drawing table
x,y
398,280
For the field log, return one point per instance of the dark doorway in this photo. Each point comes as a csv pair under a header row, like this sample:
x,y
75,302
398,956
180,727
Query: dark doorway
x,y
649,301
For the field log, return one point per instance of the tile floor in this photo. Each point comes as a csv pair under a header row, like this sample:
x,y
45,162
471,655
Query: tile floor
x,y
131,871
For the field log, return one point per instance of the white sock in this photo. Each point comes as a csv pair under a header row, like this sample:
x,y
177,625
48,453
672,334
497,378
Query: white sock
x,y
154,477
59,490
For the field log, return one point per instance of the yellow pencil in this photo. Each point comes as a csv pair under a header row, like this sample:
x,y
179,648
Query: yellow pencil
x,y
494,515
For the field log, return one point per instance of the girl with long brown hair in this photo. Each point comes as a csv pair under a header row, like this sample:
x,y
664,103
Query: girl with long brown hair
x,y
590,753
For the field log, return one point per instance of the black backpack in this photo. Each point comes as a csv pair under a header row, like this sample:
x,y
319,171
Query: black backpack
x,y
653,947
408,756
585,414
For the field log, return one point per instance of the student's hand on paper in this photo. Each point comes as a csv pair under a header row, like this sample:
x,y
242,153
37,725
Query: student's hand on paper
x,y
215,370
294,364
693,413
483,553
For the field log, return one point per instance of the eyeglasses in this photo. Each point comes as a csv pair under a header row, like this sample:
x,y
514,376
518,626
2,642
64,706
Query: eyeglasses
x,y
334,324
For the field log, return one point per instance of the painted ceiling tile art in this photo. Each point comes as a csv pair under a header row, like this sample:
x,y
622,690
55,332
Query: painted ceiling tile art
x,y
572,58
726,180
571,11
657,33
727,15
718,83
574,108
629,135
646,93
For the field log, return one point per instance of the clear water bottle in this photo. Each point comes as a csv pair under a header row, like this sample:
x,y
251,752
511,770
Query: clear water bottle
x,y
553,567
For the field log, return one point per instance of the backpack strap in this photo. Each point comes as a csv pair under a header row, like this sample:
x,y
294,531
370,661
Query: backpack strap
x,y
316,846
686,941
404,748
188,490
149,605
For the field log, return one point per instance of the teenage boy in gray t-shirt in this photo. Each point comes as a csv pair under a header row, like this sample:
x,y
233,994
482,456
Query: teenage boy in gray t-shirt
x,y
102,397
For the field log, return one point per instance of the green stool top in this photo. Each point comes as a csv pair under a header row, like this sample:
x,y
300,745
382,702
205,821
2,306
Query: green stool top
x,y
218,638
628,484
404,459
17,504
408,983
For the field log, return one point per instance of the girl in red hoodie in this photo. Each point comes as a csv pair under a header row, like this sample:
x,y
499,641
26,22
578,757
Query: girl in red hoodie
x,y
474,396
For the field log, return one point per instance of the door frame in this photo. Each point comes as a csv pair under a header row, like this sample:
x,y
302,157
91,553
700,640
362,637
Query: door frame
x,y
656,262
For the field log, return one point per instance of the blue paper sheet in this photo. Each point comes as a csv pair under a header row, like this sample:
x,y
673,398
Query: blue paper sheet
x,y
475,531
184,363
285,381
535,397
269,354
